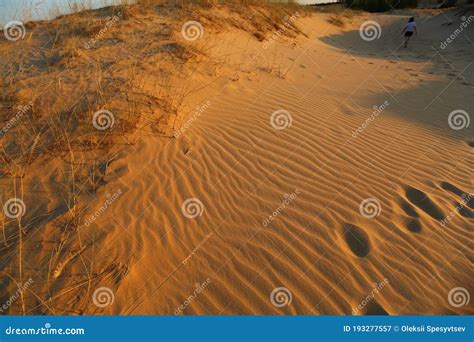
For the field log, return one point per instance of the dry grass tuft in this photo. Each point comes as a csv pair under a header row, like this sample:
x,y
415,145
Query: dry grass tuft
x,y
123,59
336,21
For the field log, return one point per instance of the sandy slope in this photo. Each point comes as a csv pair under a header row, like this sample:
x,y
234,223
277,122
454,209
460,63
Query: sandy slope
x,y
320,247
314,174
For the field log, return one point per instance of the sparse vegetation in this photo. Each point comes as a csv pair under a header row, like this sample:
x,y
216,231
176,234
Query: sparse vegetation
x,y
68,69
336,20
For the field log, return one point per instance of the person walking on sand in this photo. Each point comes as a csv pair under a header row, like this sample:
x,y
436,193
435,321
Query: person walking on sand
x,y
409,29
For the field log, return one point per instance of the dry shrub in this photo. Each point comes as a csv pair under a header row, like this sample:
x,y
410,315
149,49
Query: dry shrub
x,y
129,71
336,21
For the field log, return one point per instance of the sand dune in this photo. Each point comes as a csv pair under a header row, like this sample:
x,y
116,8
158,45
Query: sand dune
x,y
284,175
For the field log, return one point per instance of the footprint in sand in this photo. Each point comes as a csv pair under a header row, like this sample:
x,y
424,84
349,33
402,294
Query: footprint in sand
x,y
414,225
467,200
423,202
409,209
464,211
463,194
451,188
357,240
374,308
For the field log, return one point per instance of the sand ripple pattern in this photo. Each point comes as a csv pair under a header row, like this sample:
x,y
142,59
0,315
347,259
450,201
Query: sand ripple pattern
x,y
369,208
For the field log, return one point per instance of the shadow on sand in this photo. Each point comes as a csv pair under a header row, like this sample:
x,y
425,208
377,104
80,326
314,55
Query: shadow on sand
x,y
441,75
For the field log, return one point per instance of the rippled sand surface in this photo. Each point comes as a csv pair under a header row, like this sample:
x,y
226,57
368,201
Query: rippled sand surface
x,y
318,175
